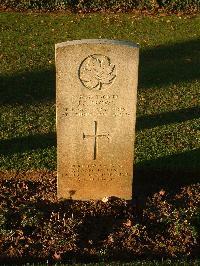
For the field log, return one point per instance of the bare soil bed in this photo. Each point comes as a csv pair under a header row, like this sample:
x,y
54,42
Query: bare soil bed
x,y
35,226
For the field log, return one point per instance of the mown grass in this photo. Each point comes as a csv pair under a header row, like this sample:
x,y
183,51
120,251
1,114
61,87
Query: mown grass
x,y
167,148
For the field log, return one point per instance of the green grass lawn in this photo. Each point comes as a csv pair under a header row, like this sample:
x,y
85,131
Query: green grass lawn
x,y
167,152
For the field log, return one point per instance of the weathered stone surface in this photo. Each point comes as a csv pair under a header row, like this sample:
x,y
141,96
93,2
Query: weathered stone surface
x,y
96,111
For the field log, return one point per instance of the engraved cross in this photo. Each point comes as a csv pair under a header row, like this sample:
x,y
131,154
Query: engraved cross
x,y
95,136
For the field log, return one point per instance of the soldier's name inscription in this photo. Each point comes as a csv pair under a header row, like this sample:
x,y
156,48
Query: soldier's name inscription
x,y
101,105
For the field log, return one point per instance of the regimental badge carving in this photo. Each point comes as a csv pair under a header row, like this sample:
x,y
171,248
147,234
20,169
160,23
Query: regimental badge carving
x,y
96,71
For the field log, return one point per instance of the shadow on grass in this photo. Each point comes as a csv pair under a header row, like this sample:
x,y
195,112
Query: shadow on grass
x,y
162,65
169,173
151,121
170,64
28,87
28,143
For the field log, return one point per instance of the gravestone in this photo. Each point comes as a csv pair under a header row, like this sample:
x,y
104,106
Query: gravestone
x,y
96,110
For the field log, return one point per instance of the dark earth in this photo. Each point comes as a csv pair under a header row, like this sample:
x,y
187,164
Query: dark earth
x,y
35,226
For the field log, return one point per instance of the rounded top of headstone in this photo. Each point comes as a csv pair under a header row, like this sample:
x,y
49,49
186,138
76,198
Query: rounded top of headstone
x,y
97,41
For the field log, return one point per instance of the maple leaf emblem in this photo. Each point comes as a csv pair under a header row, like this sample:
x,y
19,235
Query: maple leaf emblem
x,y
95,71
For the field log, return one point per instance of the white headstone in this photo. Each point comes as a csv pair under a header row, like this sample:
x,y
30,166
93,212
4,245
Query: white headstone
x,y
96,113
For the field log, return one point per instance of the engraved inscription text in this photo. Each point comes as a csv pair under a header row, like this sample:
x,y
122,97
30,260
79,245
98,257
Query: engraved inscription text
x,y
101,105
